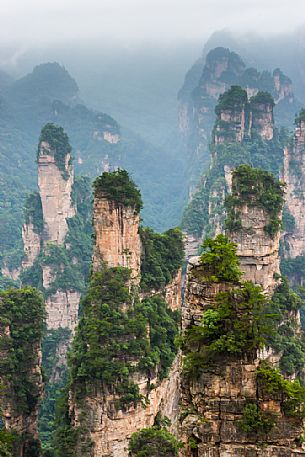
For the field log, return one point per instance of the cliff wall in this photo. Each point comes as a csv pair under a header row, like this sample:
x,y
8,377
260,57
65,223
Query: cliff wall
x,y
117,236
214,400
55,193
294,165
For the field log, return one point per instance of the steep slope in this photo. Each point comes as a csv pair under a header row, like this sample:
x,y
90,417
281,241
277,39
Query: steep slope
x,y
122,366
49,94
21,380
235,401
244,133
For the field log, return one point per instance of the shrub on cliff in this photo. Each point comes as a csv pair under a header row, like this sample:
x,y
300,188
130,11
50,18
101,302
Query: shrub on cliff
x,y
256,188
118,187
291,393
162,256
233,99
153,442
59,143
256,421
219,260
237,324
112,341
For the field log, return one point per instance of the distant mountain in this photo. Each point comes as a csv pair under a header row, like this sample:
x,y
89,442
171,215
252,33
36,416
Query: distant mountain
x,y
210,77
50,80
50,94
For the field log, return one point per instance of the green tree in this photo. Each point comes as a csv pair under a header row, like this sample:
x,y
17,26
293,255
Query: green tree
x,y
153,442
219,259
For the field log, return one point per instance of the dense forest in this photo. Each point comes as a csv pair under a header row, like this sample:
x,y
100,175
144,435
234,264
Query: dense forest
x,y
152,298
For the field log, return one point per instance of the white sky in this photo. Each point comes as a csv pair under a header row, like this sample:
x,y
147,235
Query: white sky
x,y
30,22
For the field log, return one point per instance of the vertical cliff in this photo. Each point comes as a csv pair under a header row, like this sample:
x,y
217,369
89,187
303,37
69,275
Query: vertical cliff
x,y
116,221
21,330
47,217
261,115
253,222
234,400
55,181
231,123
57,255
123,364
210,78
294,163
244,132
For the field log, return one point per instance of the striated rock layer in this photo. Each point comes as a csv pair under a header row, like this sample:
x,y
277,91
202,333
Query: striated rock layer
x,y
212,404
55,192
293,175
117,236
258,252
110,428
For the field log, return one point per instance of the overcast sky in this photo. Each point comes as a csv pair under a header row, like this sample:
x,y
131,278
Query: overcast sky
x,y
49,21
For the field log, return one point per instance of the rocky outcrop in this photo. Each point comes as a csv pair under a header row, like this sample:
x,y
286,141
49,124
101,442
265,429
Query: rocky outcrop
x,y
255,227
117,241
111,427
31,244
107,420
62,309
23,423
55,187
293,176
258,252
172,292
261,117
213,403
21,378
206,81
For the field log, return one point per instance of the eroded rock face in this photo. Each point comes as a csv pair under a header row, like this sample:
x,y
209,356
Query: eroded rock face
x,y
24,423
294,166
62,310
212,404
111,428
173,294
55,193
258,252
117,236
31,245
262,120
235,132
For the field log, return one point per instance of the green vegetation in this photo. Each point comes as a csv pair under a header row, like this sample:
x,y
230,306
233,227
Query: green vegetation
x,y
294,269
22,311
33,212
255,421
21,329
257,188
70,263
111,343
118,187
237,324
286,340
300,117
288,220
291,393
65,436
256,153
154,442
233,99
6,443
261,98
59,143
219,260
52,390
162,256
